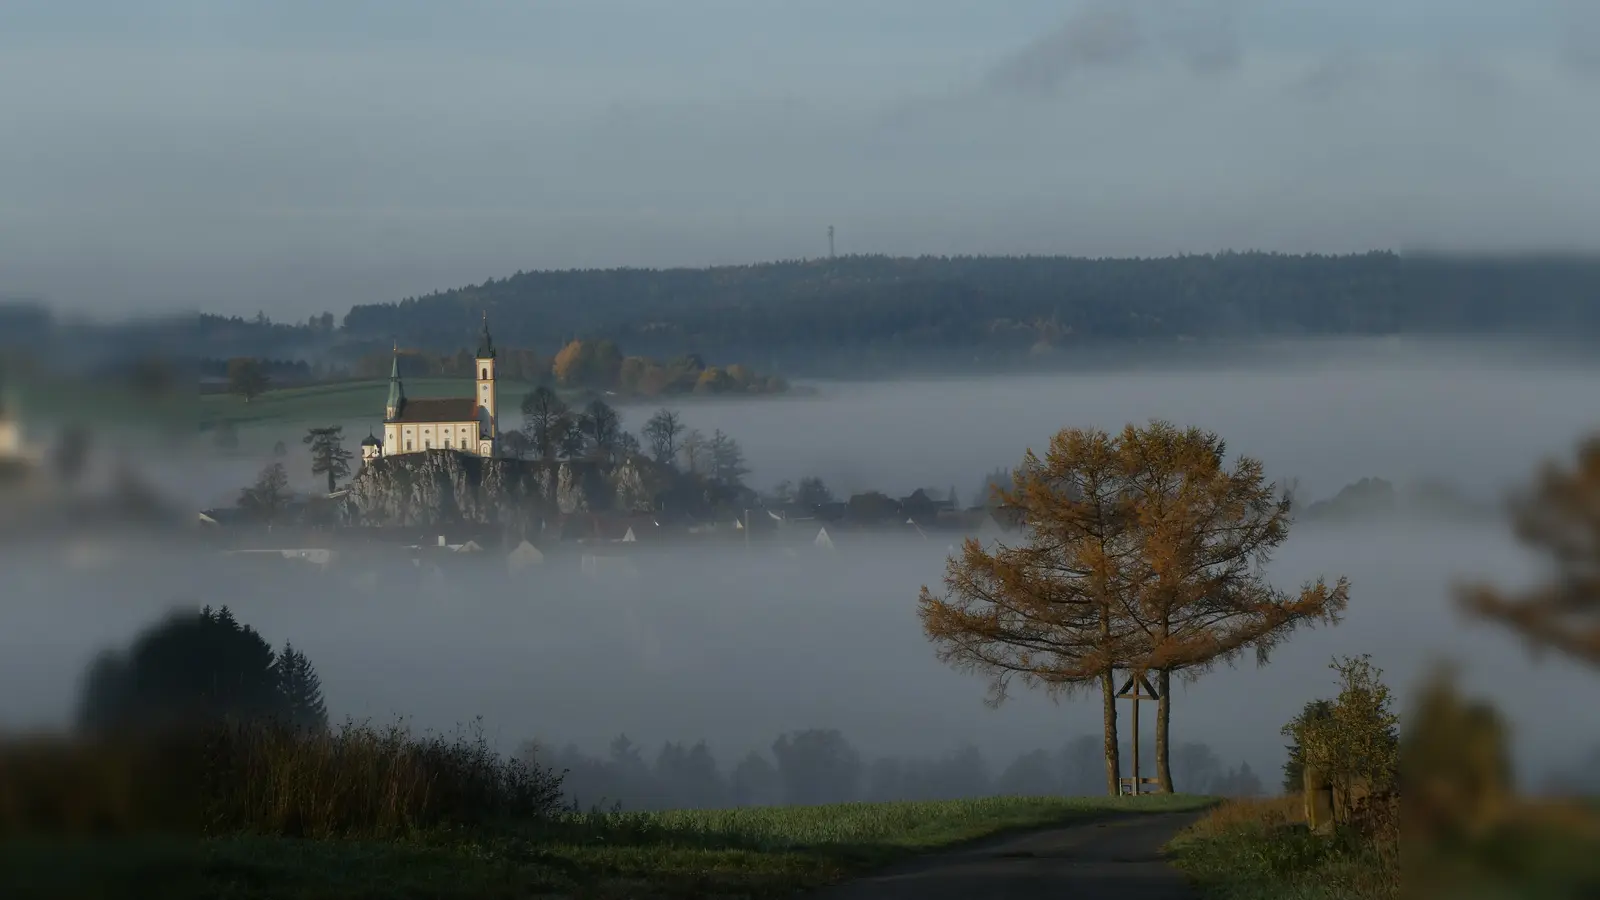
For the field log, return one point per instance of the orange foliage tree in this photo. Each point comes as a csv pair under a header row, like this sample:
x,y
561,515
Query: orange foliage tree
x,y
1143,552
1561,517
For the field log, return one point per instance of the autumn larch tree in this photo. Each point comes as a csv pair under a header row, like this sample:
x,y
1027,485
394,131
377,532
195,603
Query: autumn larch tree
x,y
1047,612
1200,533
328,455
1142,553
1560,517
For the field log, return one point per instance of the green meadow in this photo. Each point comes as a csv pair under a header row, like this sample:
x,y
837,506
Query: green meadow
x,y
745,853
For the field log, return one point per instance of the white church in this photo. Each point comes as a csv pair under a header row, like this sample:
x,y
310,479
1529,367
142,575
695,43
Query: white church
x,y
464,424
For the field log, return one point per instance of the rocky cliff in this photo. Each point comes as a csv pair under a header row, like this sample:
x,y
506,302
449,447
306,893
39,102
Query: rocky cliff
x,y
444,487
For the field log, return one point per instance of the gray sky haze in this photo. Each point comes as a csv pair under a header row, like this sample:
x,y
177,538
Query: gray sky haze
x,y
295,156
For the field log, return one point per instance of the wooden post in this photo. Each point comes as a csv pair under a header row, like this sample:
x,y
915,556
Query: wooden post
x,y
1318,799
1131,691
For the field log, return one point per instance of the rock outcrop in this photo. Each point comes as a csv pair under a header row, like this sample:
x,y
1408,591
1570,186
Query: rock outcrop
x,y
444,487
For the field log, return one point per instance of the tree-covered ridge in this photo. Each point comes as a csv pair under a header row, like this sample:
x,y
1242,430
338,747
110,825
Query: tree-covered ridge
x,y
816,315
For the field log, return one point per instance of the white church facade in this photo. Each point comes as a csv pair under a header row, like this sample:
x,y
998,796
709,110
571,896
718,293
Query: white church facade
x,y
463,424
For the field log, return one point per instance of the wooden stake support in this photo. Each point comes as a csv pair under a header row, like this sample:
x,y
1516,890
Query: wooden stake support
x,y
1130,691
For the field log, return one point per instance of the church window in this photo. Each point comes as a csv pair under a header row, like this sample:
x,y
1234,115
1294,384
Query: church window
x,y
486,376
408,446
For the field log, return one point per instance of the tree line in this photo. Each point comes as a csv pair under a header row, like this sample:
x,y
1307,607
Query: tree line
x,y
820,765
864,313
590,365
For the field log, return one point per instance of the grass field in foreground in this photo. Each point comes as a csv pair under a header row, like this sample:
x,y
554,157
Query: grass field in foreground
x,y
1260,850
756,852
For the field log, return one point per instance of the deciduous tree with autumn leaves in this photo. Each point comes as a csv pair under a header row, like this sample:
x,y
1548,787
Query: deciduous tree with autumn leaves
x,y
1560,517
1143,551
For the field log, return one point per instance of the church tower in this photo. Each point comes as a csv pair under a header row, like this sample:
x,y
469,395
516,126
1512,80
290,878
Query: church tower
x,y
397,392
487,409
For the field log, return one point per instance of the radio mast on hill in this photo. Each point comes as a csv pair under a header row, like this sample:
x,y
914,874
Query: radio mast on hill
x,y
830,242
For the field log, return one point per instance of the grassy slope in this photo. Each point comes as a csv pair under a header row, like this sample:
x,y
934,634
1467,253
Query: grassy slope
x,y
340,402
1260,850
762,852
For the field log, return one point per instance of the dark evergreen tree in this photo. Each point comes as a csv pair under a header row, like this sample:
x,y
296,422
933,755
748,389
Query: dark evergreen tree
x,y
189,668
300,690
328,455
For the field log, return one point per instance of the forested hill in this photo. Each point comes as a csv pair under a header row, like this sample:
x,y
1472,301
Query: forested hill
x,y
865,313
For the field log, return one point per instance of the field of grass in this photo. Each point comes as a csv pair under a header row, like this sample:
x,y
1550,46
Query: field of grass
x,y
1261,850
263,811
345,401
747,853
1256,850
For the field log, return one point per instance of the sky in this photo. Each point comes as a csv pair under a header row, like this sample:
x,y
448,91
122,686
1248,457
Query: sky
x,y
291,156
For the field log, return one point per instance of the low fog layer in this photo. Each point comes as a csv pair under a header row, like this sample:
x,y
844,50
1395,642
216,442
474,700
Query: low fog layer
x,y
735,647
1477,416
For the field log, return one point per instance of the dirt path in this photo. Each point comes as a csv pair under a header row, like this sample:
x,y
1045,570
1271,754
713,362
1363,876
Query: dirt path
x,y
1111,859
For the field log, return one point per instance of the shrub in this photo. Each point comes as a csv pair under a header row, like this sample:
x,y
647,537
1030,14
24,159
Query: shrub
x,y
266,778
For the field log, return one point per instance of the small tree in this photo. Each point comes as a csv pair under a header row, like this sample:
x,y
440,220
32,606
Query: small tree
x,y
545,421
696,452
727,459
661,434
604,429
269,495
812,493
300,690
1294,764
328,455
573,435
627,445
1358,742
246,378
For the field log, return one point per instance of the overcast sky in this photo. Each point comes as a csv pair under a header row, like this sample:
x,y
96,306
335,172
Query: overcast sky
x,y
295,156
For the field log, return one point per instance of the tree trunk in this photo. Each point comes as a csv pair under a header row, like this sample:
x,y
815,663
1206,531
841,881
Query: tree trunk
x,y
1164,730
1108,696
332,486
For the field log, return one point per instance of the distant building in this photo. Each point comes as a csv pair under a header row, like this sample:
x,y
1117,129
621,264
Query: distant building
x,y
464,424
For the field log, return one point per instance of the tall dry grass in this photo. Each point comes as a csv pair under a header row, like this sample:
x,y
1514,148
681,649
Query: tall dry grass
x,y
356,780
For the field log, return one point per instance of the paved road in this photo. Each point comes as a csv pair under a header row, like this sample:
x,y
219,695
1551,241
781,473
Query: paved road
x,y
1110,859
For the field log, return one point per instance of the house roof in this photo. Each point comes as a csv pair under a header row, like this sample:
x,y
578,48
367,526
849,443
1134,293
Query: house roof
x,y
444,409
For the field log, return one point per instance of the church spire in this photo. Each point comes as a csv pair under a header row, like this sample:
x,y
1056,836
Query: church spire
x,y
397,392
486,343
